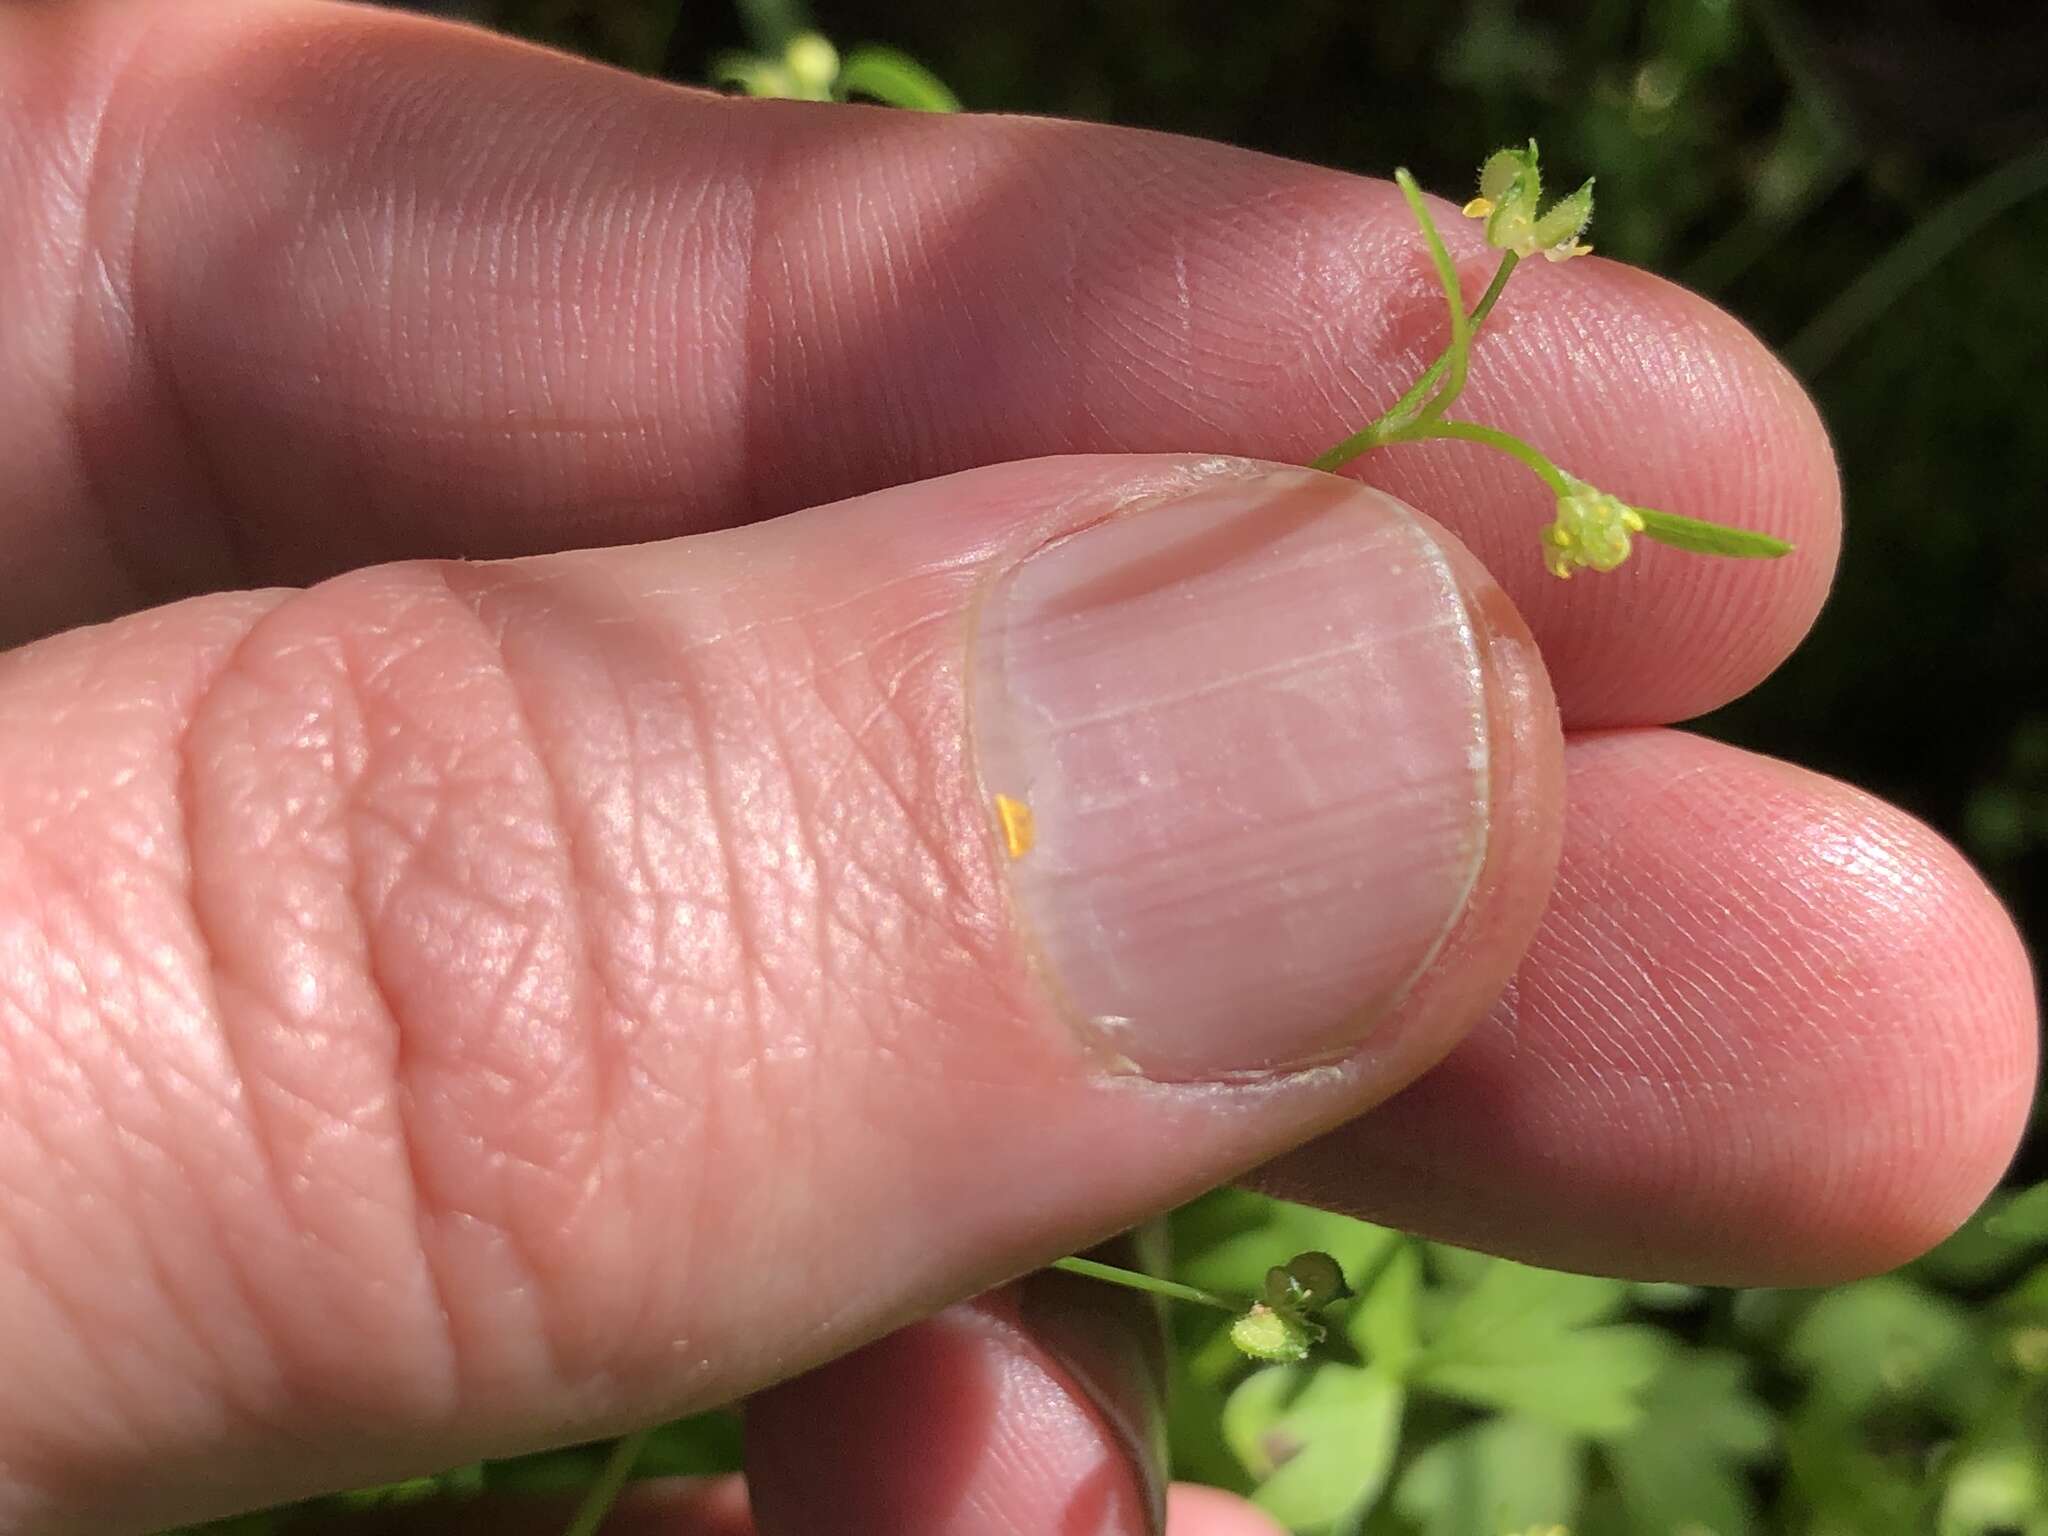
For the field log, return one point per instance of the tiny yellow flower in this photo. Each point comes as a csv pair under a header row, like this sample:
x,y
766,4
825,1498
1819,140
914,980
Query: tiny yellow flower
x,y
1510,200
1592,530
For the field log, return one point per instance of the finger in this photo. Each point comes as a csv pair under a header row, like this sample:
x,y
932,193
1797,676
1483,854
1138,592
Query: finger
x,y
1772,1032
1036,1408
464,1007
1193,1510
656,1507
360,287
717,1508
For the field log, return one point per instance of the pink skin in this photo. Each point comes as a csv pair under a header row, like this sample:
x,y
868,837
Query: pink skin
x,y
325,1155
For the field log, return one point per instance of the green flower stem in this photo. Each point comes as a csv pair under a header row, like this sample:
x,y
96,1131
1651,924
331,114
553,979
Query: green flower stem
x,y
1454,297
1404,409
1137,1280
604,1493
1492,437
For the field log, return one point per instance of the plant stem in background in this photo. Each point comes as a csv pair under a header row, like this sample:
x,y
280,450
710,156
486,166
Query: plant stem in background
x,y
1925,247
598,1501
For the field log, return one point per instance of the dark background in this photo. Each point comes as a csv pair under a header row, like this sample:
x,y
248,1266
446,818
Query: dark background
x,y
1865,184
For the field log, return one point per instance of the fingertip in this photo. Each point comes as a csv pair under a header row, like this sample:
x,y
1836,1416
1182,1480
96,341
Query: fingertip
x,y
960,1425
1771,1032
1949,1051
1195,1510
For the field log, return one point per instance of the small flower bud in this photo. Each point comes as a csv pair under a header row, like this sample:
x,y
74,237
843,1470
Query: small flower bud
x,y
1592,530
1510,199
813,64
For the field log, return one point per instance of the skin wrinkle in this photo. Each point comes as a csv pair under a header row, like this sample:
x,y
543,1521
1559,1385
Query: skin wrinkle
x,y
210,1005
638,763
504,1234
110,220
209,664
103,292
386,1004
808,878
597,1007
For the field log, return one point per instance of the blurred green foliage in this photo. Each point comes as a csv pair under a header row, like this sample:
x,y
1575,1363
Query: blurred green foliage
x,y
1769,155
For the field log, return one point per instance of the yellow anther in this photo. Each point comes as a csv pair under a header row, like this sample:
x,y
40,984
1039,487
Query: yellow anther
x,y
1019,832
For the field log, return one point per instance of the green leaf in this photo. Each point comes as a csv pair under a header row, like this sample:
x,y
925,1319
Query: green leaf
x,y
699,1446
1704,538
1507,1474
2002,1233
1588,1380
1519,1339
894,79
1318,1440
2021,1218
1385,1323
1500,1294
1881,1339
2000,1492
1682,1466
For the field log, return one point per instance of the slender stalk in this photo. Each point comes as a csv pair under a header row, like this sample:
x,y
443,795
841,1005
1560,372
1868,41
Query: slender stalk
x,y
597,1503
1930,242
1362,441
1492,437
1403,410
1454,297
1137,1280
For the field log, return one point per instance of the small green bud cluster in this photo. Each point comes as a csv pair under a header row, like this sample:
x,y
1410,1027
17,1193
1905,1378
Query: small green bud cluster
x,y
1592,530
1283,1324
808,68
1510,195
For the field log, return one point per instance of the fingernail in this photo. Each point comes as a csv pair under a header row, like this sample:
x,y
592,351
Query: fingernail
x,y
1249,729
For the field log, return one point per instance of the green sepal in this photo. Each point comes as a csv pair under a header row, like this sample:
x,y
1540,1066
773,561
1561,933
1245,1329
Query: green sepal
x,y
1505,169
1567,220
1704,538
894,79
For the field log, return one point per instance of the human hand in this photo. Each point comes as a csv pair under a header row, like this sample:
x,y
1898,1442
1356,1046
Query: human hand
x,y
463,1007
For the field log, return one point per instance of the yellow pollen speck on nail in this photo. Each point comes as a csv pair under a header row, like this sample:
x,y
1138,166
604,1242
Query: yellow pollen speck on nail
x,y
1018,831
